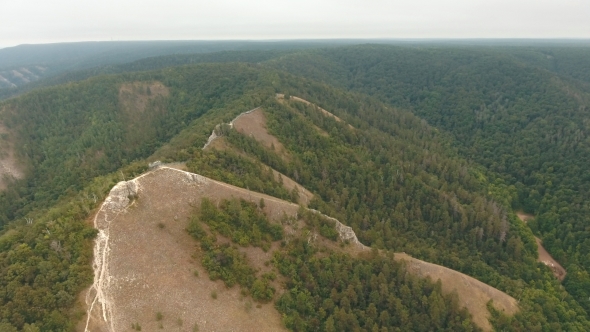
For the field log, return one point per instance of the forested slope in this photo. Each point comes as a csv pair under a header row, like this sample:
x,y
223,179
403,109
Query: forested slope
x,y
397,180
77,140
507,110
401,187
26,67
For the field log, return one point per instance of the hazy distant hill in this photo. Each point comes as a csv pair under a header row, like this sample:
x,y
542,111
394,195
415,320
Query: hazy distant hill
x,y
22,64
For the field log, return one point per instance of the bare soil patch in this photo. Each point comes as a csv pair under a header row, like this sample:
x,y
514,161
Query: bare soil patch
x,y
524,216
3,79
473,294
149,263
18,74
305,196
544,257
28,72
254,124
10,167
135,97
141,105
221,144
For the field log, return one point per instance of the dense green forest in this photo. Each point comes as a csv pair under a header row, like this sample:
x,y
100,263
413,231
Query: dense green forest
x,y
73,133
27,67
508,110
75,141
446,142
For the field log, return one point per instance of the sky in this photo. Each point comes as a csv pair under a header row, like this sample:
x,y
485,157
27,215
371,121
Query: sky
x,y
42,21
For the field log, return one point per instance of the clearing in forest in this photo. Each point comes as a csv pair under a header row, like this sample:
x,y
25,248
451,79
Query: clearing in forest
x,y
144,260
10,168
544,257
253,124
135,97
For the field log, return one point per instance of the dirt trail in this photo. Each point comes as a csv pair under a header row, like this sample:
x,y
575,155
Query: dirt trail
x,y
544,257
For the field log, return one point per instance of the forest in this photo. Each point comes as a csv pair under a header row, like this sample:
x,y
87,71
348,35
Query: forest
x,y
525,121
445,144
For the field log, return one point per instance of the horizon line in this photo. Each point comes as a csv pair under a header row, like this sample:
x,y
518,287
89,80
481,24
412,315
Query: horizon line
x,y
336,39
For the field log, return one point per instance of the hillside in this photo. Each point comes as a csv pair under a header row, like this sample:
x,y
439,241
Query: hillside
x,y
144,262
27,67
95,127
521,113
399,183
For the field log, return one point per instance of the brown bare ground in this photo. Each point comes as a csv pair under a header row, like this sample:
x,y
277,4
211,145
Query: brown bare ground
x,y
149,268
544,257
141,103
524,216
9,165
221,144
254,124
134,97
473,294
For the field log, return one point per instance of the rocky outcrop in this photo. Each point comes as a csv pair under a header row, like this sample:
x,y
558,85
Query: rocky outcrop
x,y
345,233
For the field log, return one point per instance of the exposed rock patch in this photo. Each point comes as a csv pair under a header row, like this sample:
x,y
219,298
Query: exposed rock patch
x,y
144,264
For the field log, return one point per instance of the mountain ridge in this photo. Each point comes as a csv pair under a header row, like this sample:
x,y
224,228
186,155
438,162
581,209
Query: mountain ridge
x,y
474,295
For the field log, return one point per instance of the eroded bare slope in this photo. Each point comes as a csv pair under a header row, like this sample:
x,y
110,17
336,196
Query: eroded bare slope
x,y
10,168
144,264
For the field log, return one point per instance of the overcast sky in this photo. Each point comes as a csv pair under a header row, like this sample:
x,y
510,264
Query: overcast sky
x,y
43,21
